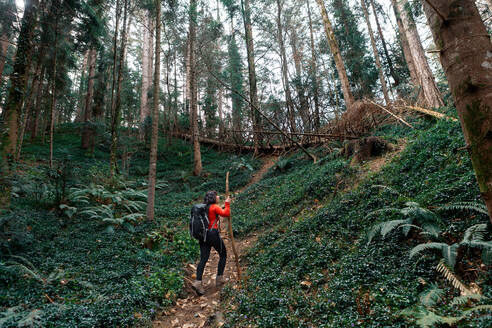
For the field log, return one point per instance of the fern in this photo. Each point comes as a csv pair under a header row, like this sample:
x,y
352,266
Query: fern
x,y
430,319
114,208
432,296
452,278
427,318
69,211
9,315
464,206
386,188
486,307
32,319
29,270
475,232
414,217
448,253
389,226
464,299
487,256
378,229
382,211
283,163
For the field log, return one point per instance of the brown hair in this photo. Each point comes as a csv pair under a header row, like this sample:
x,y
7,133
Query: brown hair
x,y
210,197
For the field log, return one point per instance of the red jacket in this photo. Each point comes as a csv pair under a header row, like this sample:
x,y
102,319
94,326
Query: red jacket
x,y
215,210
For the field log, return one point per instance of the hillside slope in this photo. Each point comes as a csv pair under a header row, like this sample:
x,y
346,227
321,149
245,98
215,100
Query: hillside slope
x,y
315,269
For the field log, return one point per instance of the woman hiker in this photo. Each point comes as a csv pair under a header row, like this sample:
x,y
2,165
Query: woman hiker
x,y
213,240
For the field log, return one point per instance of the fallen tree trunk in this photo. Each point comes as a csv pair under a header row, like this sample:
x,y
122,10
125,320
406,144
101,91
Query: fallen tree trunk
x,y
320,135
262,149
430,112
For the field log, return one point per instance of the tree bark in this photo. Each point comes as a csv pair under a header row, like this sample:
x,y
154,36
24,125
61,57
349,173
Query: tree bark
x,y
38,107
407,54
115,119
466,56
4,46
18,81
332,41
314,72
431,93
253,93
187,85
86,133
221,116
36,81
53,89
155,116
220,88
376,54
303,103
98,104
146,73
197,156
285,76
80,98
9,10
395,76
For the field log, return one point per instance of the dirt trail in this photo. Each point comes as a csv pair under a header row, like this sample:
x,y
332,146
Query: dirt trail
x,y
193,311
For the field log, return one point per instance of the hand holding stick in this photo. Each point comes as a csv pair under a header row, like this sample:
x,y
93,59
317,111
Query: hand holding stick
x,y
230,232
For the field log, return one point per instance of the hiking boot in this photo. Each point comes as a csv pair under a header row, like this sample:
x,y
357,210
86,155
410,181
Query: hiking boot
x,y
220,281
198,287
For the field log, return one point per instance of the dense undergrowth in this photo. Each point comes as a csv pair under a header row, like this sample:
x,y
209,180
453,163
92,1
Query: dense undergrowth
x,y
315,269
94,261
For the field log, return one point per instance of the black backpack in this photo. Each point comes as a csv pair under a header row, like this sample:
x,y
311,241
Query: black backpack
x,y
199,222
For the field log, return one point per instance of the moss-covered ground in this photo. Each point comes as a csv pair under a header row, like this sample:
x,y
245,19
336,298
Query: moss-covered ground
x,y
61,271
313,268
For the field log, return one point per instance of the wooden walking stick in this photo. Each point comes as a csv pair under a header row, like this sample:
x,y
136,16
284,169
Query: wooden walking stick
x,y
231,234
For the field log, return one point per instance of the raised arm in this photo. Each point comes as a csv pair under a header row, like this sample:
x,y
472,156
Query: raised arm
x,y
226,212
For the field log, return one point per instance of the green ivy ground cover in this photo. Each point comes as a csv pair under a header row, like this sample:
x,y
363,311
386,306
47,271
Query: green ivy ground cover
x,y
318,271
70,272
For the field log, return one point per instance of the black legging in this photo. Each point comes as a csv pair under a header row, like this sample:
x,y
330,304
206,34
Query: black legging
x,y
213,240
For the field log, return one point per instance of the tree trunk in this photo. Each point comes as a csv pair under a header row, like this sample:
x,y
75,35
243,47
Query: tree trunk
x,y
146,73
18,81
221,116
155,116
376,54
53,92
303,103
175,92
86,133
332,41
253,93
36,81
406,53
385,48
425,77
220,88
285,76
115,119
197,156
314,72
38,107
466,56
98,106
4,46
80,98
112,160
9,17
187,86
